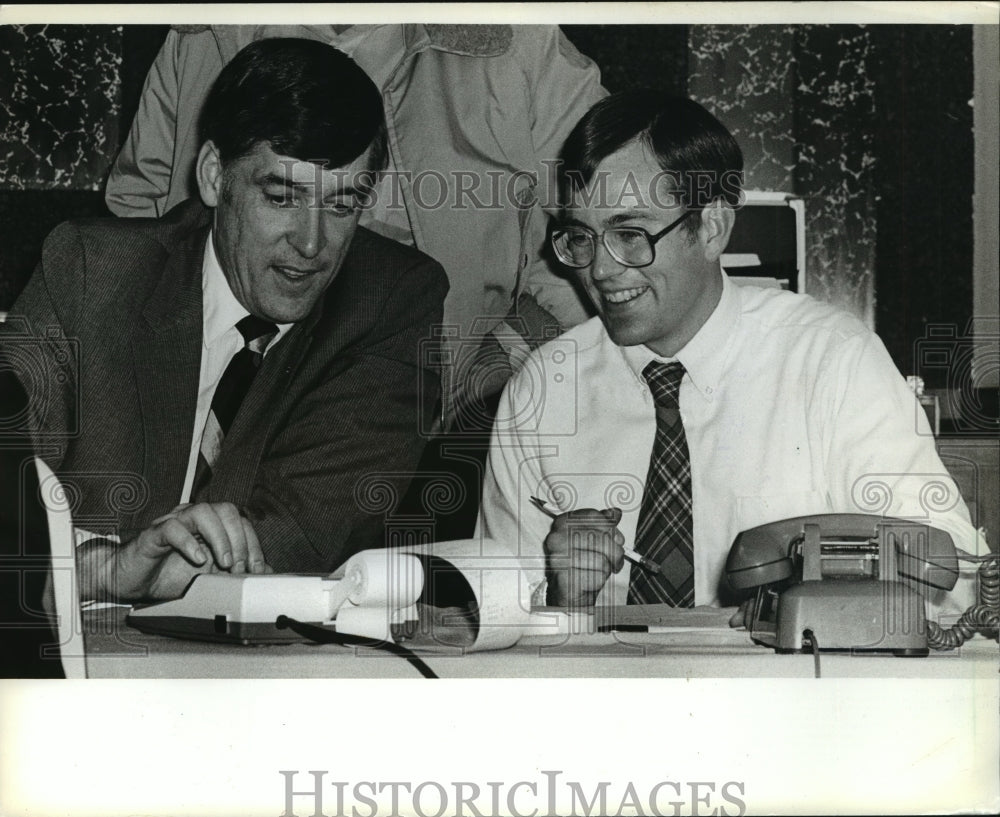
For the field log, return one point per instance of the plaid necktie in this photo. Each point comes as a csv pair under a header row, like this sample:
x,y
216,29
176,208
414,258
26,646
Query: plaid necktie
x,y
229,394
665,524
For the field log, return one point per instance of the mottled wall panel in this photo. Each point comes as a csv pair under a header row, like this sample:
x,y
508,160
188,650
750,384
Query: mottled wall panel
x,y
745,75
59,104
800,101
835,157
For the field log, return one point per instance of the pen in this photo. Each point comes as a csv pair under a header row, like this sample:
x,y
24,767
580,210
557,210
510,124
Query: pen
x,y
631,555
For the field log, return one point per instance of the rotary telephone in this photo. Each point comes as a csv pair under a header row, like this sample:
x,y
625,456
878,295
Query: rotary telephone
x,y
852,582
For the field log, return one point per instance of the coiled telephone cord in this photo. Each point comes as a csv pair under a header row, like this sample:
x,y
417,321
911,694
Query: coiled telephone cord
x,y
980,618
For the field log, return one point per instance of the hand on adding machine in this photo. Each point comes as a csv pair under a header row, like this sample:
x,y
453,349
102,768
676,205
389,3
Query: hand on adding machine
x,y
161,561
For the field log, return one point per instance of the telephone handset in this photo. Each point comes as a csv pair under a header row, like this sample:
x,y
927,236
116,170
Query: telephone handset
x,y
850,545
842,581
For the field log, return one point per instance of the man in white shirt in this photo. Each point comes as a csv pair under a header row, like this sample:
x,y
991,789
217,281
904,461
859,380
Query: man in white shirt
x,y
214,387
787,406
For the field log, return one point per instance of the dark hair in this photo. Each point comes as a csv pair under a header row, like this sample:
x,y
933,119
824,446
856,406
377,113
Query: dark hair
x,y
304,98
703,158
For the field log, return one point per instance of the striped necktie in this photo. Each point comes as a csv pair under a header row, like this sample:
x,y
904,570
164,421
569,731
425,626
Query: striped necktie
x,y
664,532
229,394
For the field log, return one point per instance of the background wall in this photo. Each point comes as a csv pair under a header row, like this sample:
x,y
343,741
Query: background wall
x,y
65,107
872,125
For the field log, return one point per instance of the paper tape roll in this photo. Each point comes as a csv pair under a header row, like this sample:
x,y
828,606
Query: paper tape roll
x,y
384,578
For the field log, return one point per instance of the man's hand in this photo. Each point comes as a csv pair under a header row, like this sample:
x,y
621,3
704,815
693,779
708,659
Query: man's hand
x,y
583,548
159,563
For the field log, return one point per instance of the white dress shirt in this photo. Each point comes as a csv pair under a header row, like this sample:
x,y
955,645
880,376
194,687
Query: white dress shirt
x,y
221,340
790,407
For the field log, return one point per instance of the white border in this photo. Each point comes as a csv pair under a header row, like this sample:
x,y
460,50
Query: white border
x,y
579,13
201,748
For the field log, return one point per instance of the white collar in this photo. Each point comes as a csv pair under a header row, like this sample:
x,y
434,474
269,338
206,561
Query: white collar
x,y
221,311
704,356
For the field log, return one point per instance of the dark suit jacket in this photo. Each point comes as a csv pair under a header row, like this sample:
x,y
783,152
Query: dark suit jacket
x,y
28,636
107,338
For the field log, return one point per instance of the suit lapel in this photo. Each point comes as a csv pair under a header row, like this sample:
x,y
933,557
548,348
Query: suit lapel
x,y
331,327
167,358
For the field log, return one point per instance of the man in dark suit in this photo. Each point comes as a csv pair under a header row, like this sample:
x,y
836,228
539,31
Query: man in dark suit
x,y
228,376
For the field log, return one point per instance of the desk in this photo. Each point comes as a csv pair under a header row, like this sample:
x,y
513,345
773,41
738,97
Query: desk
x,y
114,650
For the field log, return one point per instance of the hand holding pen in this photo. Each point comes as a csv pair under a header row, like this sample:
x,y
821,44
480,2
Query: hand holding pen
x,y
633,556
582,549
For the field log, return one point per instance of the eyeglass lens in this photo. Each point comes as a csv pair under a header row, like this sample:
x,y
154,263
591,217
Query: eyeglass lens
x,y
576,247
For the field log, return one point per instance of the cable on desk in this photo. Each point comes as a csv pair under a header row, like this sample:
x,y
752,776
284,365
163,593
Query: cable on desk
x,y
323,636
815,649
979,618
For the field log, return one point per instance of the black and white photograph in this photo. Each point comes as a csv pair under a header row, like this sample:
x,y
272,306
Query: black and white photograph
x,y
517,409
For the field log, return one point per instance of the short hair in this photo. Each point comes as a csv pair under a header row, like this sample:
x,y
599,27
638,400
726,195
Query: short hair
x,y
688,142
304,98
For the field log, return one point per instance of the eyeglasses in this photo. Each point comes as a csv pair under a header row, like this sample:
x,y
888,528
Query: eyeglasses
x,y
576,246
